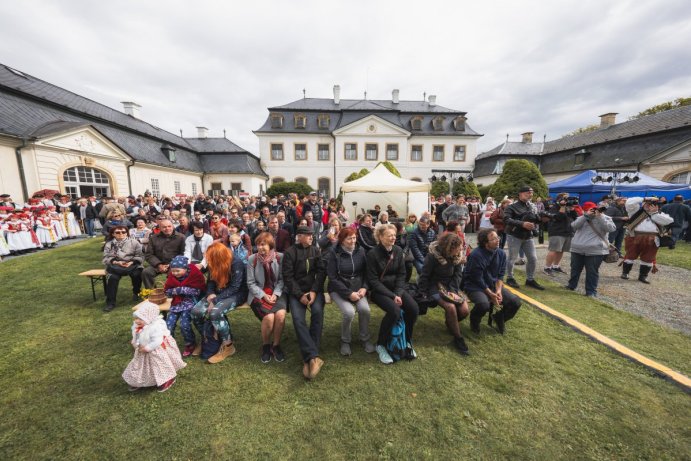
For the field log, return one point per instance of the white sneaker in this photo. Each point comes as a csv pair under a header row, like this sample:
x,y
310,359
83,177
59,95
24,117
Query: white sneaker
x,y
384,356
413,354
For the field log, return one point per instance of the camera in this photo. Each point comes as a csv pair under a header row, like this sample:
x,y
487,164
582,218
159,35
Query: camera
x,y
569,201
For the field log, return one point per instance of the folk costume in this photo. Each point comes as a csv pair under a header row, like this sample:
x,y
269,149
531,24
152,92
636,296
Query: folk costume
x,y
45,232
70,222
185,292
643,231
160,358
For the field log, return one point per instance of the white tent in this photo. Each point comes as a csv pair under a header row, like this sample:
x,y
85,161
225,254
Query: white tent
x,y
381,187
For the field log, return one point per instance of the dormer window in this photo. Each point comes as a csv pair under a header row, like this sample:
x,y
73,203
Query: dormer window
x,y
416,122
323,121
459,123
300,121
169,151
579,157
438,123
276,121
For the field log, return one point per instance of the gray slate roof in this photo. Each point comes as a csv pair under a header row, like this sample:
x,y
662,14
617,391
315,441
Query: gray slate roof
x,y
352,110
515,149
31,108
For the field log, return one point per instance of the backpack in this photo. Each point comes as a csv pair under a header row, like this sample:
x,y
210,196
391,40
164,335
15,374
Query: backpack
x,y
210,342
397,346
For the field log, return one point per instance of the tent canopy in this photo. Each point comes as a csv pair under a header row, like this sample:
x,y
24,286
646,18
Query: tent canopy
x,y
383,188
646,186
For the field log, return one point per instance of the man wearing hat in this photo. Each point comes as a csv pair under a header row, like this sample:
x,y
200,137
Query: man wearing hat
x,y
617,211
6,201
520,220
304,274
314,207
643,234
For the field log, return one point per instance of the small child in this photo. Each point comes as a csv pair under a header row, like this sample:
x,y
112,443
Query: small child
x,y
239,250
156,355
185,284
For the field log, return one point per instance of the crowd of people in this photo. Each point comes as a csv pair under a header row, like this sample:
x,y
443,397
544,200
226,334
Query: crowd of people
x,y
291,254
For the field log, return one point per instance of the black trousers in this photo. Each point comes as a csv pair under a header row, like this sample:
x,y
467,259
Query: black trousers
x,y
113,280
393,312
510,305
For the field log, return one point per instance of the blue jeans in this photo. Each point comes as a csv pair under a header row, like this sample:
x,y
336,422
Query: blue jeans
x,y
617,237
185,325
89,227
592,268
308,337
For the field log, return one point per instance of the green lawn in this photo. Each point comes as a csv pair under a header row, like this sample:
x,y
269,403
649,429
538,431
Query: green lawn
x,y
540,392
679,257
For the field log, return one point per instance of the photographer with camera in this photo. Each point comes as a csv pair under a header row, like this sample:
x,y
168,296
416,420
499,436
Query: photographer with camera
x,y
617,211
561,214
589,246
521,221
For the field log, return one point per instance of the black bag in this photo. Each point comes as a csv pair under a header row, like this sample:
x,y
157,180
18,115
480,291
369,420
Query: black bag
x,y
210,342
119,270
422,300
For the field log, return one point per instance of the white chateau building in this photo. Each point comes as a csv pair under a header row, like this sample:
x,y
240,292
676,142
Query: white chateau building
x,y
321,141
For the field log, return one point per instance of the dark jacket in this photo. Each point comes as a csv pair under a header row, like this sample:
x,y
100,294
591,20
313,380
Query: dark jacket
x,y
497,219
283,240
438,269
162,249
483,269
439,211
560,224
678,211
515,215
616,213
346,272
419,242
303,270
237,285
392,282
365,238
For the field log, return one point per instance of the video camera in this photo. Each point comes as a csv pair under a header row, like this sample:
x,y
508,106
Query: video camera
x,y
568,201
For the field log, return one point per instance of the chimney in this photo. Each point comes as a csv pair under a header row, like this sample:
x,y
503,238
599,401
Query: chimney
x,y
337,94
131,108
607,120
202,131
432,100
527,137
394,96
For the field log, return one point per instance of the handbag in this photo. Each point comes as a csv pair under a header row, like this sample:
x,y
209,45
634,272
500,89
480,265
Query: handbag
x,y
613,255
450,296
158,294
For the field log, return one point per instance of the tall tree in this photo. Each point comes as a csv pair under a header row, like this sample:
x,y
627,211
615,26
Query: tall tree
x,y
518,173
679,102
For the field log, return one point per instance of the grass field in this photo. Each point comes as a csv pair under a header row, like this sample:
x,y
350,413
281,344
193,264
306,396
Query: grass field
x,y
679,257
541,391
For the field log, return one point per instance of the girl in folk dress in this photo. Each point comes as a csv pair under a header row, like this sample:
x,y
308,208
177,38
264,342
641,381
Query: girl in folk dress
x,y
44,230
4,247
58,224
156,355
13,229
71,223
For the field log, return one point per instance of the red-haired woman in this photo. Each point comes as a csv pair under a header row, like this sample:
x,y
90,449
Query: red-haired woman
x,y
266,297
225,290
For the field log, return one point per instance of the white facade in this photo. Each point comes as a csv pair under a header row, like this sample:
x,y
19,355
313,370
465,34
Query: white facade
x,y
365,133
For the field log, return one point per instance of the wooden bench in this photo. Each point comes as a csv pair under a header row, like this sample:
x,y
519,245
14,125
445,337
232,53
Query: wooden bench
x,y
165,307
95,275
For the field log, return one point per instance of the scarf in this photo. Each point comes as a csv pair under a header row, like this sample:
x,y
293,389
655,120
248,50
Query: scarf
x,y
269,276
193,279
197,254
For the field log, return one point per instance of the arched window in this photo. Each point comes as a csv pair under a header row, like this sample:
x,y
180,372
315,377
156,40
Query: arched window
x,y
82,181
681,178
324,186
301,180
277,179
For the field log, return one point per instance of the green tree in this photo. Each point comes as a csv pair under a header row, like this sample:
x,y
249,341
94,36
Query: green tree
x,y
439,188
679,102
585,129
518,173
287,187
356,175
466,188
484,191
389,166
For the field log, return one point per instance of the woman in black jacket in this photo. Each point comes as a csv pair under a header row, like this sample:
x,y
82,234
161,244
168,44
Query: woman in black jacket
x,y
386,280
365,233
443,271
346,266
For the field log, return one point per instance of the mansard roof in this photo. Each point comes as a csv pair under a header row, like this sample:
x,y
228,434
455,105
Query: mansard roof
x,y
31,108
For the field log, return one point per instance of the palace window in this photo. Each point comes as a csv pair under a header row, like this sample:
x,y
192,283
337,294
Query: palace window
x,y
459,123
277,180
323,121
276,121
155,188
392,152
194,188
681,178
324,186
438,123
300,120
459,154
176,186
416,153
276,151
438,154
323,152
350,151
416,122
300,151
371,152
301,180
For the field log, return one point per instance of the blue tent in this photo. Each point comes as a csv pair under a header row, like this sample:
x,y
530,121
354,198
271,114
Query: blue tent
x,y
582,185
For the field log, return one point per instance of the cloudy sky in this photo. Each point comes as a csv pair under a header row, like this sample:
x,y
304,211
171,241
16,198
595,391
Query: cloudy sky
x,y
547,67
